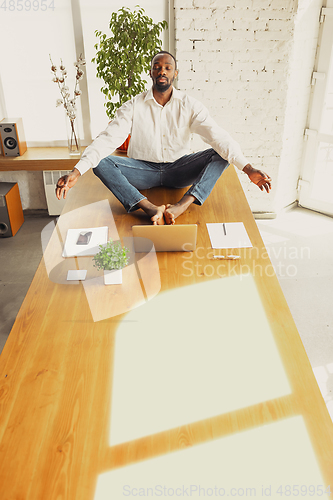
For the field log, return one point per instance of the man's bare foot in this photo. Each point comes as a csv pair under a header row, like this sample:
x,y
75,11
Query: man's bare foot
x,y
173,211
169,214
157,218
155,212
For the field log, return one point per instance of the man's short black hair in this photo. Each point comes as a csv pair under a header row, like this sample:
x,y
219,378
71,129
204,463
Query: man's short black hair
x,y
164,52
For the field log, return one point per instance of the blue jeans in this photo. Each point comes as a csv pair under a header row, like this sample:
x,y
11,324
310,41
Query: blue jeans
x,y
125,176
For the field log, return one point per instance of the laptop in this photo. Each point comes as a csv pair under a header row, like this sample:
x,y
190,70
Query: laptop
x,y
166,238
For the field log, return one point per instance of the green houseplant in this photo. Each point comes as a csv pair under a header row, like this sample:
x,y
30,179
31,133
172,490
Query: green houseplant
x,y
112,258
124,56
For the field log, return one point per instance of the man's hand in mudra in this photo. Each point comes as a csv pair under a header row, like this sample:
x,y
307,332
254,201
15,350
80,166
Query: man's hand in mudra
x,y
66,182
258,177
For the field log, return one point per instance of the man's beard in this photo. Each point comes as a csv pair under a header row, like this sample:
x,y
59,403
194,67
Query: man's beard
x,y
163,87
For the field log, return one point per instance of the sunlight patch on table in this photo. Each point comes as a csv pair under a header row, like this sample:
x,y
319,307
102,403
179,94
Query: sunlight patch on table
x,y
193,353
260,462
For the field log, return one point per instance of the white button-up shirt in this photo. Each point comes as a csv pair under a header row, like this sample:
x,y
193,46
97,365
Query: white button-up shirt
x,y
161,133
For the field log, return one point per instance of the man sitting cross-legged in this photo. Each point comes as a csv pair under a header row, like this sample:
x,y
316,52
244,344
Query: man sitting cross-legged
x,y
161,121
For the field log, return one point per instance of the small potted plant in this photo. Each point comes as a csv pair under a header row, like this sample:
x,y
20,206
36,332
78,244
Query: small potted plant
x,y
112,257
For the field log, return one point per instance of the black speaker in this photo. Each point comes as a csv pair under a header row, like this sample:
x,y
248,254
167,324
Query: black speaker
x,y
11,213
12,137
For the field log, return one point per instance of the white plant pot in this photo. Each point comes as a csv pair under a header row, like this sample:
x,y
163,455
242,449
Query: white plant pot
x,y
114,277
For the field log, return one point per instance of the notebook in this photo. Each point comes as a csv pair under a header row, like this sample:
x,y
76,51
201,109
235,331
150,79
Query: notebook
x,y
166,238
99,236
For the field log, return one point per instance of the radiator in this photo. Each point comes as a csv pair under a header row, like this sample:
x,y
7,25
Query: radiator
x,y
51,177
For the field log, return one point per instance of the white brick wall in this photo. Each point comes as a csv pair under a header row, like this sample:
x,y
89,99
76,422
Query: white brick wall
x,y
238,57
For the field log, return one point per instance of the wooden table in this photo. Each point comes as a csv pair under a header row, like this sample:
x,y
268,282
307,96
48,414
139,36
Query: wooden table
x,y
65,373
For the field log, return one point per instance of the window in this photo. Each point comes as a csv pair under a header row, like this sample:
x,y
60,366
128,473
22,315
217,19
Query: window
x,y
63,29
316,181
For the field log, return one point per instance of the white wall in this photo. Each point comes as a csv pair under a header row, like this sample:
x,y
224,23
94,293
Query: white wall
x,y
240,58
31,187
250,63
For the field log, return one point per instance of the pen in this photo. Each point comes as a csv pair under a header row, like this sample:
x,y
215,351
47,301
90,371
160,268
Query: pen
x,y
228,257
225,232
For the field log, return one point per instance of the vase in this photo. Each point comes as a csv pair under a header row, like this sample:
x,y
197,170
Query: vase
x,y
113,277
74,146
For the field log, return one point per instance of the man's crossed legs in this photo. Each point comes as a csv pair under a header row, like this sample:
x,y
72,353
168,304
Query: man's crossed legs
x,y
126,176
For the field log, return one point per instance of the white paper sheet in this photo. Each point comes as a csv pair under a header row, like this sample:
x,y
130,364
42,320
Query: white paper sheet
x,y
99,237
236,235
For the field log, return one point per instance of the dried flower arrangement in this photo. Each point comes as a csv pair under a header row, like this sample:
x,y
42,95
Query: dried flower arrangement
x,y
69,104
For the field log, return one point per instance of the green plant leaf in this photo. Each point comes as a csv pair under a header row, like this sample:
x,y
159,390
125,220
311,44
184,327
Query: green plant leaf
x,y
122,57
111,256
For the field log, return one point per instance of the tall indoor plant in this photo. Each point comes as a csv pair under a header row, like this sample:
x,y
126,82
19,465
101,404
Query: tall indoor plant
x,y
124,56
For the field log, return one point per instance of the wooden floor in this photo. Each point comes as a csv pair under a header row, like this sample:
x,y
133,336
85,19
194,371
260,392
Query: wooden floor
x,y
60,383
